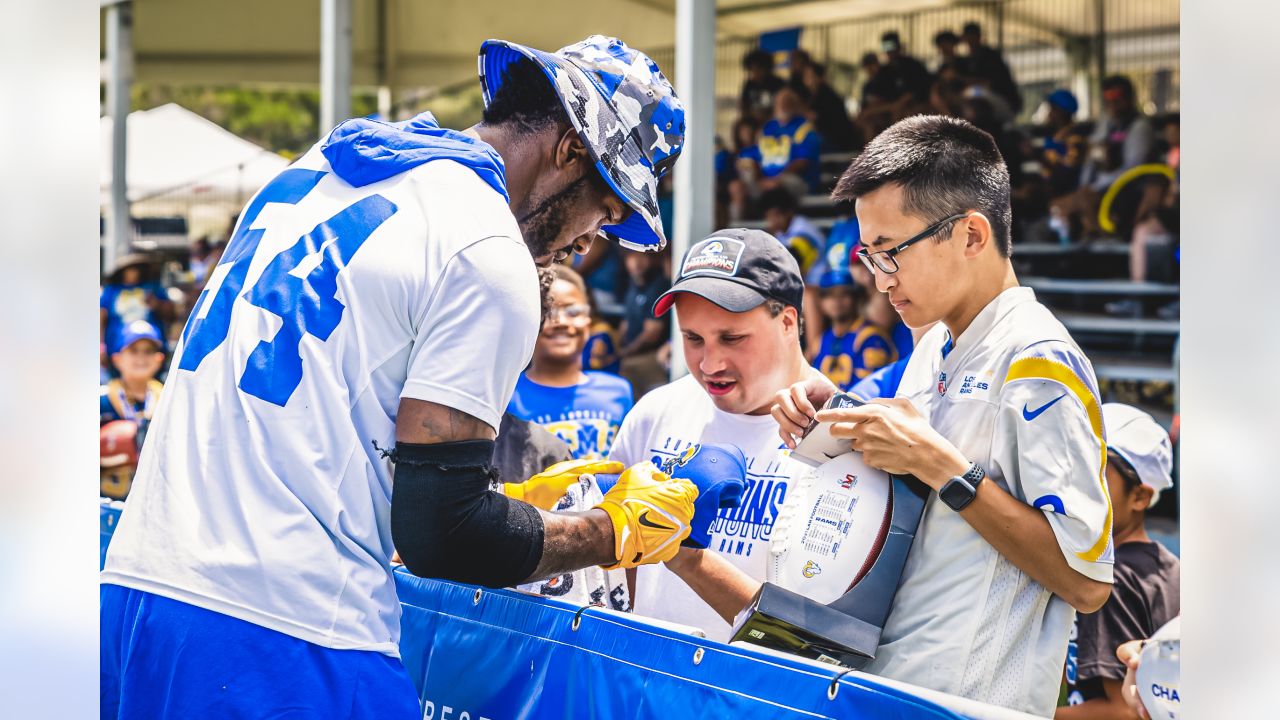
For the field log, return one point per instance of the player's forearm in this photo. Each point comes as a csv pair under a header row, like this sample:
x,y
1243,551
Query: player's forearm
x,y
1022,535
574,540
721,585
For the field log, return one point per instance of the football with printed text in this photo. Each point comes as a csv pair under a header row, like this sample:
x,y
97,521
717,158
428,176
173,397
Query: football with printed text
x,y
838,526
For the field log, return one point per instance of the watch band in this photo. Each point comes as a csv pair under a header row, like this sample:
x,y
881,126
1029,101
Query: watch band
x,y
959,491
974,475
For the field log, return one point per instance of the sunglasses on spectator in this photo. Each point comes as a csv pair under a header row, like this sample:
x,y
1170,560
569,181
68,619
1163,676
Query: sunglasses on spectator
x,y
570,314
885,260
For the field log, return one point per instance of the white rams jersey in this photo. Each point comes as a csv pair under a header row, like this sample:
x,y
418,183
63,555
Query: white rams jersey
x,y
260,493
1017,396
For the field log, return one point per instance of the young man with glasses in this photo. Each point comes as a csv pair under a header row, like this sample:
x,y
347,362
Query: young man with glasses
x,y
998,411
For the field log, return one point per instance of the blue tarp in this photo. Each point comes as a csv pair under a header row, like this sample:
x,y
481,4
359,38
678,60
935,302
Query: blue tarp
x,y
477,653
507,654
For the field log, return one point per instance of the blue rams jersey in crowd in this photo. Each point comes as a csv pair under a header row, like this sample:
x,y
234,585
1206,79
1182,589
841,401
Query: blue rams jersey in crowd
x,y
125,304
601,351
855,355
902,340
780,144
585,416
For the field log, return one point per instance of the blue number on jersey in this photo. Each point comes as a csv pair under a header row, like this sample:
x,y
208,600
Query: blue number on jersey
x,y
306,304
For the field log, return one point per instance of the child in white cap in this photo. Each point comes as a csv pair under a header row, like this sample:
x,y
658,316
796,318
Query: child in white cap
x,y
1145,594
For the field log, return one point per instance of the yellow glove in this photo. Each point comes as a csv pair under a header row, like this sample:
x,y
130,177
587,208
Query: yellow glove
x,y
650,513
546,488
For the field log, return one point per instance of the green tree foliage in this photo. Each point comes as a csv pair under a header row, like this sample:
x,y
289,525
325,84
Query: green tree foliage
x,y
285,120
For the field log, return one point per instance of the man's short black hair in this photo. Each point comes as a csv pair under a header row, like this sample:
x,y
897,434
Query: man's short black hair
x,y
946,36
778,199
869,59
758,57
525,100
971,28
945,165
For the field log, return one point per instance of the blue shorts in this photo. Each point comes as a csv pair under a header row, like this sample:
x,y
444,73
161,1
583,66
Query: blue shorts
x,y
162,658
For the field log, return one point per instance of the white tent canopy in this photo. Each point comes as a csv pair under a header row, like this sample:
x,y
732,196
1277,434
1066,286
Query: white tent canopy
x,y
172,148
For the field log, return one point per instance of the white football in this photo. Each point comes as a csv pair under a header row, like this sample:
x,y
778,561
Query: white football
x,y
831,528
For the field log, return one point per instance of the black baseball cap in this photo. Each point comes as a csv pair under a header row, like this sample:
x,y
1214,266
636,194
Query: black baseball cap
x,y
738,270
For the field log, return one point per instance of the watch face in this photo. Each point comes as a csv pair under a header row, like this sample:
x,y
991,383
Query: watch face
x,y
955,494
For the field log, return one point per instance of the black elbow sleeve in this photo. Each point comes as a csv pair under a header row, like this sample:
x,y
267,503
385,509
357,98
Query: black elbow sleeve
x,y
447,523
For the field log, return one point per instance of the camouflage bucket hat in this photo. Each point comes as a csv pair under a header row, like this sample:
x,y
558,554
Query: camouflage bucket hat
x,y
625,111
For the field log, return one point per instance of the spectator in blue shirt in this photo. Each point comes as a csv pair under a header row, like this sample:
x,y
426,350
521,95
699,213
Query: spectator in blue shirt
x,y
130,295
582,408
787,156
789,144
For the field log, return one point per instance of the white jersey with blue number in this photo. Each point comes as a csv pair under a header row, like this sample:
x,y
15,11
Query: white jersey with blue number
x,y
260,493
1017,396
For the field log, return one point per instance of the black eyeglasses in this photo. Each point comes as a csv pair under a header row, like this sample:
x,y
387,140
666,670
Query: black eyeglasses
x,y
884,260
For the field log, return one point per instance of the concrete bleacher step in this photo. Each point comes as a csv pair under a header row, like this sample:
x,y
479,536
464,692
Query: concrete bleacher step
x,y
1113,288
1131,369
1107,247
1103,324
817,201
1101,259
824,224
836,161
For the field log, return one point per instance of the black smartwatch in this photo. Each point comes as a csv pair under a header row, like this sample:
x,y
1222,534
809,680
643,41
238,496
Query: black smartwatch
x,y
960,491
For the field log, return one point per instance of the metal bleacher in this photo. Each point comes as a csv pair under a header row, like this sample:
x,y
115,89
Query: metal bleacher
x,y
1078,282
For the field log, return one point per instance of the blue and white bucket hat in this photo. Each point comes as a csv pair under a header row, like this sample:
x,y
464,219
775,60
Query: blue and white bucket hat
x,y
625,111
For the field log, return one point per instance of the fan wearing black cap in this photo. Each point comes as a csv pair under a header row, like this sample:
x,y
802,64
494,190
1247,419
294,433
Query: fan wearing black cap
x,y
737,297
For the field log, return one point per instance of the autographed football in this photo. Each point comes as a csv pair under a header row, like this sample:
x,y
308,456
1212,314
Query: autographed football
x,y
836,522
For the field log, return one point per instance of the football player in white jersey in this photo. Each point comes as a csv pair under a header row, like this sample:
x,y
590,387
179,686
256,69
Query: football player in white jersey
x,y
998,411
376,303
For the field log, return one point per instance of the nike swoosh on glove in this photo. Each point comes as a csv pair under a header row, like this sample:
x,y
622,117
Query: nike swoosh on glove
x,y
546,488
650,514
719,471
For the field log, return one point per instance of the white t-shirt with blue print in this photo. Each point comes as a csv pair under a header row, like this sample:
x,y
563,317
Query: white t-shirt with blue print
x,y
665,422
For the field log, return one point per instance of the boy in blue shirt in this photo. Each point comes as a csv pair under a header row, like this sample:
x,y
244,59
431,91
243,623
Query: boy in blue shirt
x,y
584,409
127,403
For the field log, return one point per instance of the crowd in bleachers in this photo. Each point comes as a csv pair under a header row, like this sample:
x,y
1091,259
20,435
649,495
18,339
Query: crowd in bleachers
x,y
770,173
